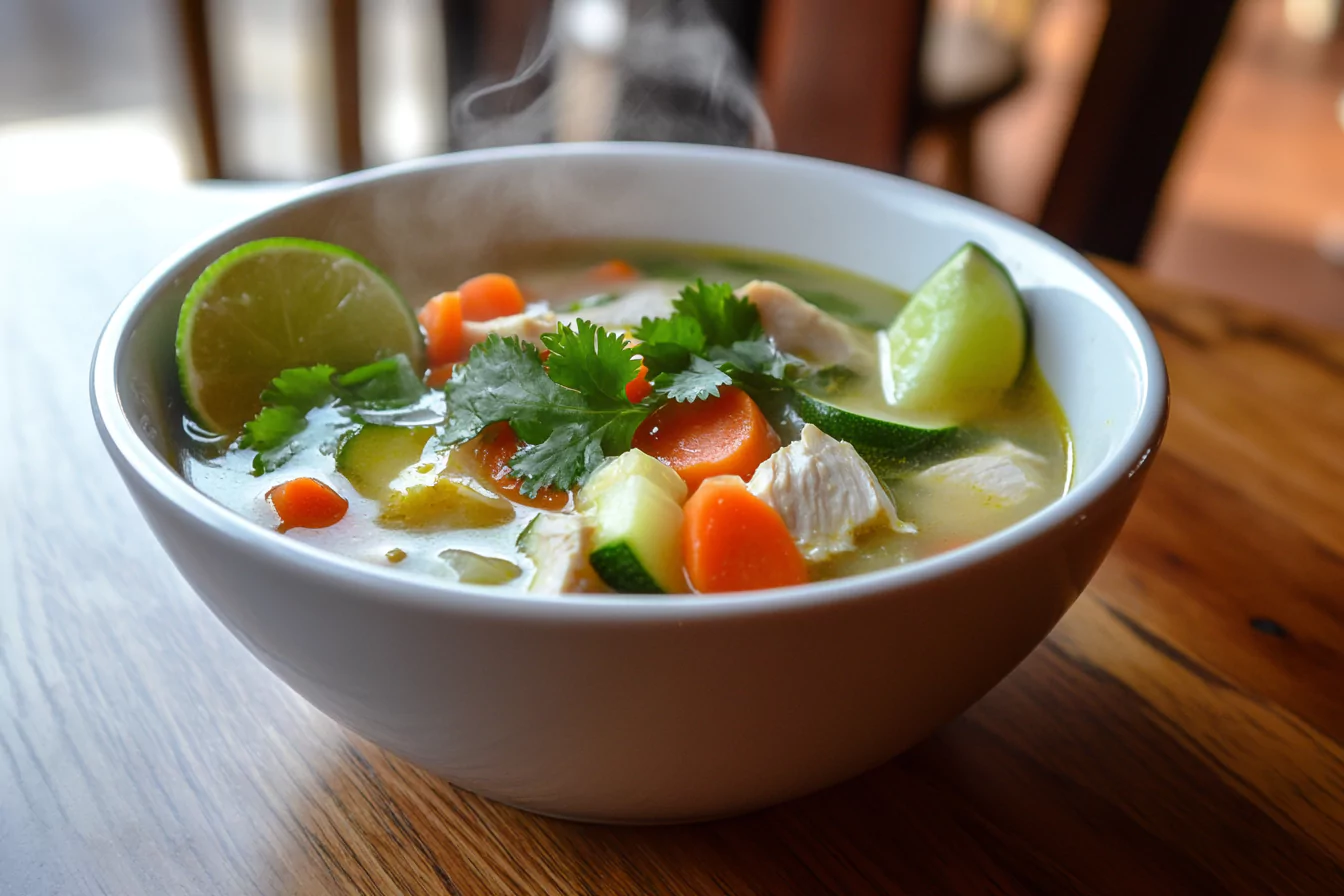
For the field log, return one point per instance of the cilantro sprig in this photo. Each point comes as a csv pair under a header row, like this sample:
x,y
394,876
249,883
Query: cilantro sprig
x,y
275,432
571,412
712,339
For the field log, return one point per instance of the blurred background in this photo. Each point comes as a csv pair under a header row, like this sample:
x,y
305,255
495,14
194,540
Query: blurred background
x,y
1202,139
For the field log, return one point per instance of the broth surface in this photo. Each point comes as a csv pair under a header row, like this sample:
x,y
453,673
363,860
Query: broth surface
x,y
559,274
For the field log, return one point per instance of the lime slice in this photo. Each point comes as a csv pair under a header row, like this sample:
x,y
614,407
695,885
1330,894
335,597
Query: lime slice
x,y
278,303
960,341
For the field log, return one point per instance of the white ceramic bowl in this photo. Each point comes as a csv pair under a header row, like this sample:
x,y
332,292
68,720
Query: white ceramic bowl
x,y
633,708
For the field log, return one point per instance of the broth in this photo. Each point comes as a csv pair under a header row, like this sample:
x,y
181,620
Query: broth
x,y
559,274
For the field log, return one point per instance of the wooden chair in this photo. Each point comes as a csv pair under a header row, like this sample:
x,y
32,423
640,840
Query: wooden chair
x,y
842,81
193,30
1148,69
845,87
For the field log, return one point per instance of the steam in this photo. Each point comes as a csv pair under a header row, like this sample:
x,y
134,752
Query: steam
x,y
620,70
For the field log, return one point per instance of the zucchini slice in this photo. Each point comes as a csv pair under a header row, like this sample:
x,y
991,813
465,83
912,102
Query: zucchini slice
x,y
871,432
372,456
637,538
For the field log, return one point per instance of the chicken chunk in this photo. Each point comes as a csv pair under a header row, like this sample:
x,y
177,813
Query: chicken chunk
x,y
528,326
625,312
559,544
826,493
803,329
1001,476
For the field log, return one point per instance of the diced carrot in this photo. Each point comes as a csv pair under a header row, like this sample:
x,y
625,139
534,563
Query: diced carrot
x,y
613,271
489,296
493,449
727,435
442,319
734,541
306,503
639,388
439,375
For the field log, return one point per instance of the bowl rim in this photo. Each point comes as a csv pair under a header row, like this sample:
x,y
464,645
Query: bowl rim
x,y
345,574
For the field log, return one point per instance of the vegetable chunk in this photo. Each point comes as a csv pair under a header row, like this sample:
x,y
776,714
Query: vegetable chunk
x,y
489,296
493,449
723,436
441,317
443,503
734,541
306,503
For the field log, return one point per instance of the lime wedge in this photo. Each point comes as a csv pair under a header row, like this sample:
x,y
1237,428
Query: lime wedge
x,y
960,341
278,303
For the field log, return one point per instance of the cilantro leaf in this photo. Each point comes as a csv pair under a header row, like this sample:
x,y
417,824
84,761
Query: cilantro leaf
x,y
287,400
591,360
272,427
755,356
300,387
567,431
667,343
722,316
567,455
700,380
389,383
503,379
281,429
705,316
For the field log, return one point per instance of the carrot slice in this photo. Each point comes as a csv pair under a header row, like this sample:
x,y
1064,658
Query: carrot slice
x,y
724,436
306,503
493,449
442,319
639,388
613,271
734,541
489,296
439,375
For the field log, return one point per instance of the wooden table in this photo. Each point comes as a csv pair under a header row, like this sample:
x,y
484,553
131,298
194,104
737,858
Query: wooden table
x,y
1182,731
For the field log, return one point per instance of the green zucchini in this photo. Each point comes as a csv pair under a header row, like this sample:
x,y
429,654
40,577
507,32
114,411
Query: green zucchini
x,y
372,456
870,431
637,538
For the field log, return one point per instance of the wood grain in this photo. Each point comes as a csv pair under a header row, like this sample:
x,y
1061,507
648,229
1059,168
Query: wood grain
x,y
1179,732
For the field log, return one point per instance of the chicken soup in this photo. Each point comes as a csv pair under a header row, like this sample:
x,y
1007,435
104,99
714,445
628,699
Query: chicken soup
x,y
631,418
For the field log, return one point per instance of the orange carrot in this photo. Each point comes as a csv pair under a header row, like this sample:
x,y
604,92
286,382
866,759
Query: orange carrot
x,y
489,296
493,449
639,388
442,319
305,503
720,436
439,375
734,541
613,271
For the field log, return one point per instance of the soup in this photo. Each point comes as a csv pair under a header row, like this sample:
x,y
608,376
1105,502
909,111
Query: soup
x,y
618,417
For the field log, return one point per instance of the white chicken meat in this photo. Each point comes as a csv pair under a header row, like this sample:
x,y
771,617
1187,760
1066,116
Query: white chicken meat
x,y
559,545
527,326
826,494
1002,476
652,300
803,329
